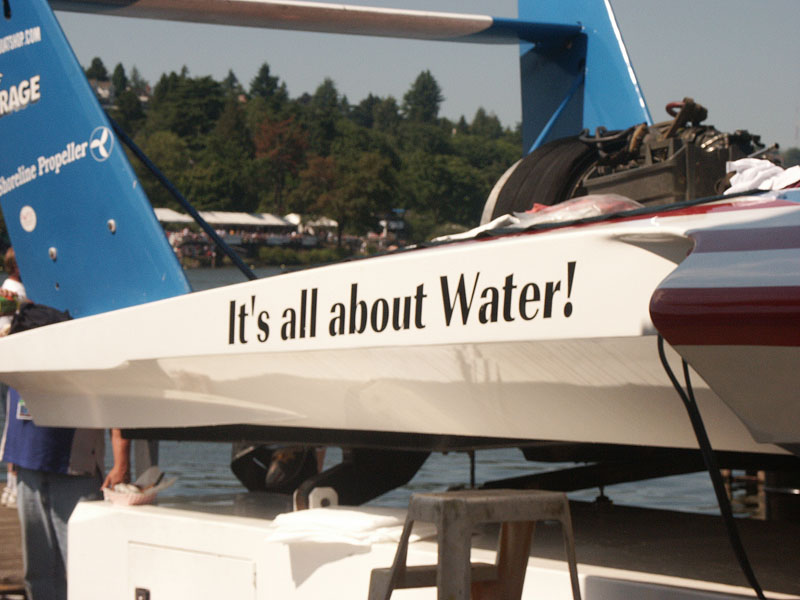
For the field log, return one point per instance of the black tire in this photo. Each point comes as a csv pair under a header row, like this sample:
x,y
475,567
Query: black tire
x,y
548,175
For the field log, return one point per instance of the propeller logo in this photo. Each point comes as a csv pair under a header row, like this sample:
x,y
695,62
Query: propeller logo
x,y
101,143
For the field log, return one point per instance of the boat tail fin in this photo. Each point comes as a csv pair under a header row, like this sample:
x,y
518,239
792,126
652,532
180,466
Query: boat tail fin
x,y
84,233
575,71
584,83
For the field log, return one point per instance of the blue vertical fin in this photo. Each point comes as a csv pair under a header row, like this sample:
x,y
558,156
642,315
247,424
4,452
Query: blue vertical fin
x,y
85,235
581,83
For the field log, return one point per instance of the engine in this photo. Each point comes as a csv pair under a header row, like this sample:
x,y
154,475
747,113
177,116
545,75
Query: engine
x,y
676,160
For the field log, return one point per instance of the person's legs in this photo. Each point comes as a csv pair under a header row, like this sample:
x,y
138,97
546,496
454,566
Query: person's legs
x,y
46,501
42,565
9,496
65,492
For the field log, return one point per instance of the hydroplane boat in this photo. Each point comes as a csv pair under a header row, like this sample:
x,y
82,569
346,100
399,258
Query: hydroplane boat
x,y
539,336
536,334
524,336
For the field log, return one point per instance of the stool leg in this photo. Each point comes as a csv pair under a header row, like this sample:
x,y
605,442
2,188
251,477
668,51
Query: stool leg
x,y
569,547
399,564
454,572
514,547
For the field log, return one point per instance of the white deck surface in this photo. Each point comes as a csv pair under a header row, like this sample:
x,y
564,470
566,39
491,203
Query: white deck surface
x,y
229,547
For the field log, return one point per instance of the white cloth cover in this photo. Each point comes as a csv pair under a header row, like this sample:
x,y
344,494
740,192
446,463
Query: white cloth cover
x,y
759,174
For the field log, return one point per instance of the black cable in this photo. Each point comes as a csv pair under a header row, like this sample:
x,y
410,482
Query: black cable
x,y
162,179
713,468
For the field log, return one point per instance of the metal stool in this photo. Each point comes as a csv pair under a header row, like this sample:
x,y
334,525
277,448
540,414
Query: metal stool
x,y
456,514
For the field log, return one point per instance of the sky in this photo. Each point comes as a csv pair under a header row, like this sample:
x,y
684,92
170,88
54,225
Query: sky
x,y
736,57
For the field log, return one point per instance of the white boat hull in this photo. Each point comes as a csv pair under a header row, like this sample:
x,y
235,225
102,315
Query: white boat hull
x,y
543,336
350,390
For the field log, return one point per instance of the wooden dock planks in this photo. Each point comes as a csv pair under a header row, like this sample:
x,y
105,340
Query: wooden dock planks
x,y
10,553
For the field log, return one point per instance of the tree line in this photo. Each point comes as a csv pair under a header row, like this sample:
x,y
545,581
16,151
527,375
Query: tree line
x,y
253,148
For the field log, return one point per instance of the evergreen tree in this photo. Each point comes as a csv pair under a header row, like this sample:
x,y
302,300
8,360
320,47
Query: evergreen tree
x,y
224,178
187,106
165,86
263,84
414,136
270,89
370,185
321,115
421,103
137,83
231,133
484,154
461,127
97,70
119,79
363,113
486,125
352,141
129,113
231,85
359,191
386,115
316,183
170,154
445,186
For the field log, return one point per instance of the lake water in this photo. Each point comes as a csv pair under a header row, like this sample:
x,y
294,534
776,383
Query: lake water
x,y
203,468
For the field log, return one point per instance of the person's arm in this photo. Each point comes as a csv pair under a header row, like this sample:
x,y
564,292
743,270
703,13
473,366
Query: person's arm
x,y
121,471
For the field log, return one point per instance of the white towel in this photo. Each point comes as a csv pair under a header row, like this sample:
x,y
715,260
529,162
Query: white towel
x,y
756,173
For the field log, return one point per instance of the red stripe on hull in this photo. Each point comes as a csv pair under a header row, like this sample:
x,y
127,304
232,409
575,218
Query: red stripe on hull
x,y
757,316
696,210
747,239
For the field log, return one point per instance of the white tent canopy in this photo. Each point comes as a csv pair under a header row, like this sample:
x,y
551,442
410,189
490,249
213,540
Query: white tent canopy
x,y
224,218
321,222
167,215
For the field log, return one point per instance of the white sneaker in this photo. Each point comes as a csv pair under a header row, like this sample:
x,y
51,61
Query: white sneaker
x,y
4,497
11,501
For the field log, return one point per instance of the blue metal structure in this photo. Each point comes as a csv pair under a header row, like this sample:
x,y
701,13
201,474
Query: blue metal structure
x,y
84,233
580,83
